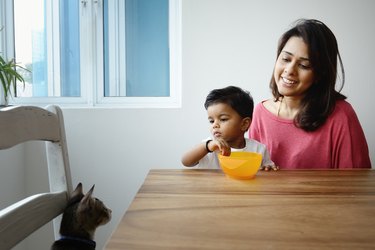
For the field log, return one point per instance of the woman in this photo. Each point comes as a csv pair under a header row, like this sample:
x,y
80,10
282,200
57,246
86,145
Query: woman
x,y
308,123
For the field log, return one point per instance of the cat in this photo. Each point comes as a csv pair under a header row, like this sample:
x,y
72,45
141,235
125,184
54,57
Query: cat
x,y
80,219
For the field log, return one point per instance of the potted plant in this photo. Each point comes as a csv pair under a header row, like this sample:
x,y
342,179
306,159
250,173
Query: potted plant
x,y
8,79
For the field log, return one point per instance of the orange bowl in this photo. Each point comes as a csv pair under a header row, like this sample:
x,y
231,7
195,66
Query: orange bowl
x,y
240,165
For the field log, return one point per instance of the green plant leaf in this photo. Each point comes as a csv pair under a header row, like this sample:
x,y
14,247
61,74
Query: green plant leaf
x,y
9,75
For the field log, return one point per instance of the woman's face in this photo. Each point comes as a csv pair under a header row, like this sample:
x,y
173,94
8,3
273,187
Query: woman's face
x,y
293,72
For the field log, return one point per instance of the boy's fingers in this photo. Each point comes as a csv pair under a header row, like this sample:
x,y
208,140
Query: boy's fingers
x,y
267,168
225,152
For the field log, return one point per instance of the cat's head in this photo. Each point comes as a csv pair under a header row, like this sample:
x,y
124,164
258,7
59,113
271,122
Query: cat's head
x,y
90,212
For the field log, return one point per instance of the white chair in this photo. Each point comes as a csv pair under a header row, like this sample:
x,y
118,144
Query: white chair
x,y
20,124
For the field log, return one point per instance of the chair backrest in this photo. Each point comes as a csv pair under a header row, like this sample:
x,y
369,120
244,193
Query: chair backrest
x,y
20,124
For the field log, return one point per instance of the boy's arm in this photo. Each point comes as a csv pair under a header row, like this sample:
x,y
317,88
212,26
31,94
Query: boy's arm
x,y
267,163
193,156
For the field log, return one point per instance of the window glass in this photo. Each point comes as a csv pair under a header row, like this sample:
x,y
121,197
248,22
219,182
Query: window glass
x,y
137,50
69,48
47,43
30,45
96,52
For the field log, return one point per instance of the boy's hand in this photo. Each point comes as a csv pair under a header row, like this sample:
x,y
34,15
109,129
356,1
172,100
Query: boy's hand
x,y
267,168
221,145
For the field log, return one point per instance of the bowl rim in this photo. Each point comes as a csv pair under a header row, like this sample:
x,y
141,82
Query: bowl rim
x,y
238,154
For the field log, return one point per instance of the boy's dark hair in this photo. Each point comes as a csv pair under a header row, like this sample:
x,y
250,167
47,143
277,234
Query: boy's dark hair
x,y
240,100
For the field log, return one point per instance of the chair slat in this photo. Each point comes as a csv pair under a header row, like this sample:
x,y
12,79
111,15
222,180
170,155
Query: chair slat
x,y
32,212
19,124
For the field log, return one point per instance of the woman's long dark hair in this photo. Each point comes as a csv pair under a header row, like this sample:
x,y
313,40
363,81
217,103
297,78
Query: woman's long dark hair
x,y
320,99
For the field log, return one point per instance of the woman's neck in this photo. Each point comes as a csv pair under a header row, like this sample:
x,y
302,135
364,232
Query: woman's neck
x,y
288,107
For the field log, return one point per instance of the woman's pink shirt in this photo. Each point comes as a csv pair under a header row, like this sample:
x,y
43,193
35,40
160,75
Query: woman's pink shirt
x,y
339,143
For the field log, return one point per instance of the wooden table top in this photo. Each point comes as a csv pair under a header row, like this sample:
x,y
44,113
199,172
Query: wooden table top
x,y
204,209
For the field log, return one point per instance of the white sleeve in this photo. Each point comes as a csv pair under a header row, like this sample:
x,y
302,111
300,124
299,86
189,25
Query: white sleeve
x,y
266,161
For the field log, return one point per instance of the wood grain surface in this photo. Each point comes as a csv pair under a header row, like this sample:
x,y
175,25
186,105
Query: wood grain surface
x,y
204,209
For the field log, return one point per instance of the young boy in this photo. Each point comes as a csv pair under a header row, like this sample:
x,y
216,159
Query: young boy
x,y
229,113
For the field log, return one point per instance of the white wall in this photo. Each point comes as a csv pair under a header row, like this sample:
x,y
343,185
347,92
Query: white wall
x,y
11,190
224,42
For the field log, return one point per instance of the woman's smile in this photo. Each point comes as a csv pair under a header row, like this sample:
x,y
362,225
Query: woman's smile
x,y
288,81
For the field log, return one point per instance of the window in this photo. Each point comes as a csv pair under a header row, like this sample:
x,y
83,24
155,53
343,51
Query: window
x,y
123,52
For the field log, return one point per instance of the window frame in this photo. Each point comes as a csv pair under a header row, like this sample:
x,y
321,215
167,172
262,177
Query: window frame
x,y
92,95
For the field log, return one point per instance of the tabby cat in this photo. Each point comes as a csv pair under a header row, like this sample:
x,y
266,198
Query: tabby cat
x,y
81,217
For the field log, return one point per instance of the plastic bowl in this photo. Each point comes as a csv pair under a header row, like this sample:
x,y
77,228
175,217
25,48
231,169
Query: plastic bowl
x,y
240,165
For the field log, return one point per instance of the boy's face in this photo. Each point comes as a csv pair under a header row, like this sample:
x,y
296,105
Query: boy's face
x,y
227,124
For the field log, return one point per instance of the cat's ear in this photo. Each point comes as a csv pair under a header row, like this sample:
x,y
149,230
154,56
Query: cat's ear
x,y
87,198
77,194
89,193
78,189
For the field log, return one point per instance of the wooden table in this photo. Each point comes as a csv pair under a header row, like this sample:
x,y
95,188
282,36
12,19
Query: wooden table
x,y
204,209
